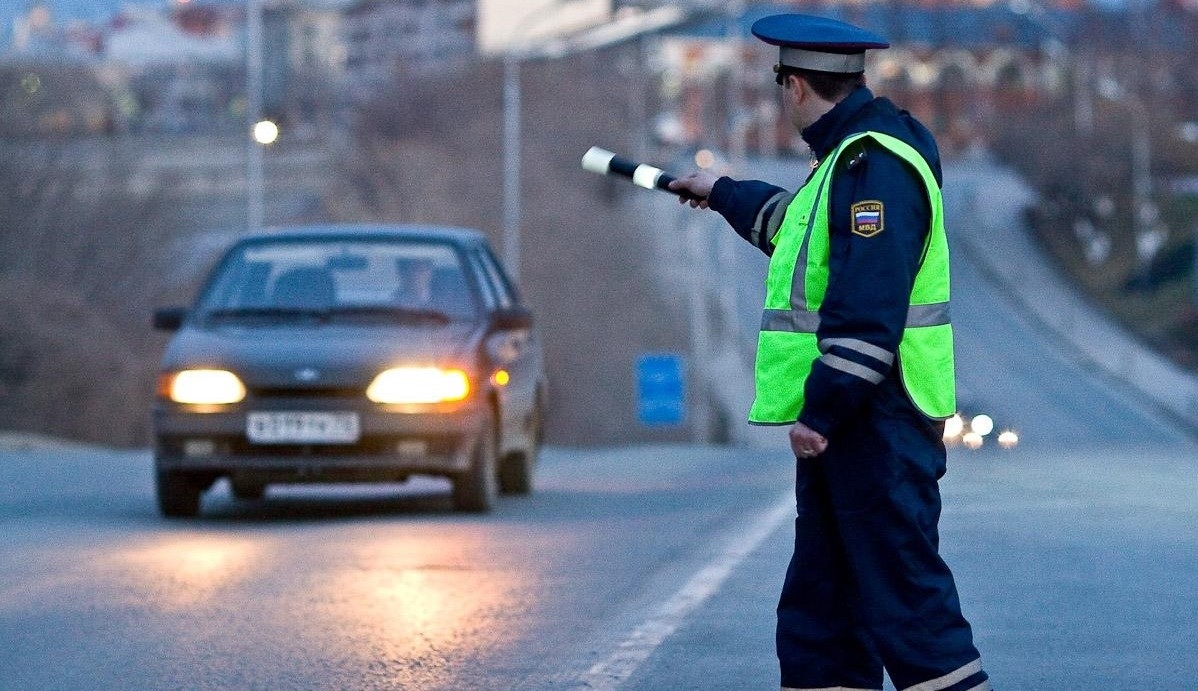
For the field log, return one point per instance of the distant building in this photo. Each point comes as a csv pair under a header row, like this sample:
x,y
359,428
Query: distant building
x,y
386,36
506,24
316,36
34,29
304,59
190,35
957,65
37,34
179,65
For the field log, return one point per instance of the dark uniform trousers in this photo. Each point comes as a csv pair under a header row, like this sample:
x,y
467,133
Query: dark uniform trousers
x,y
866,586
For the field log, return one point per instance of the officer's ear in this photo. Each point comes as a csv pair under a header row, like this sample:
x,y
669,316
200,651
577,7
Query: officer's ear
x,y
796,88
802,83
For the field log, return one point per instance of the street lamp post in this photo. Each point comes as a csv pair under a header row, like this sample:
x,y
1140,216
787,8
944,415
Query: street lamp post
x,y
514,56
1058,50
1144,213
253,111
1144,221
511,163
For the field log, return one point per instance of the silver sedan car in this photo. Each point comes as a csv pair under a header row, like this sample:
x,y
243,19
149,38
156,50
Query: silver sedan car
x,y
350,354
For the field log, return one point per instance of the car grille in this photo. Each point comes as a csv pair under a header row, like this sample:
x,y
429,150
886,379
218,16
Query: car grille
x,y
293,392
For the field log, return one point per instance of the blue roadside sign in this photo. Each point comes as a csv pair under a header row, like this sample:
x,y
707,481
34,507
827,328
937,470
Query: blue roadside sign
x,y
660,390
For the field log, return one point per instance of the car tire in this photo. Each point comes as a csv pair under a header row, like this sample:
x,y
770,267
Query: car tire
x,y
178,494
515,474
247,491
477,489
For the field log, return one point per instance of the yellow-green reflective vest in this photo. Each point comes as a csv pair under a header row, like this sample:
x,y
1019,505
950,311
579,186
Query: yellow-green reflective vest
x,y
797,279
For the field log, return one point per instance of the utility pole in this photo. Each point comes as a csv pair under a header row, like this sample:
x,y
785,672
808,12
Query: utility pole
x,y
511,162
253,112
514,57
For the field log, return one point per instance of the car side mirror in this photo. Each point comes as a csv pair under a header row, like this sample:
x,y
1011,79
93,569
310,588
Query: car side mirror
x,y
512,318
169,318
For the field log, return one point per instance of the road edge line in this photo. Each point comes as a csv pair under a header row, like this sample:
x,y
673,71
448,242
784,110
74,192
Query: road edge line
x,y
610,673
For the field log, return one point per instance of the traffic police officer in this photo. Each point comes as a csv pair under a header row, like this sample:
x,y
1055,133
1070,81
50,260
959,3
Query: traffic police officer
x,y
855,354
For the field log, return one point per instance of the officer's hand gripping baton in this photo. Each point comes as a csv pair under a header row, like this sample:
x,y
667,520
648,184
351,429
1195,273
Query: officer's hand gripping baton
x,y
604,162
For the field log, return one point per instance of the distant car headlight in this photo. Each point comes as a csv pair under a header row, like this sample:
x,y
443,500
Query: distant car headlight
x,y
1008,439
982,424
953,427
419,385
202,387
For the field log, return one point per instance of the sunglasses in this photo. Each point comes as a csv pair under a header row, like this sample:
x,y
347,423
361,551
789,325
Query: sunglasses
x,y
781,73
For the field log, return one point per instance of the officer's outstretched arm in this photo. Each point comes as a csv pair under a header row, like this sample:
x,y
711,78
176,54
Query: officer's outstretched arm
x,y
753,208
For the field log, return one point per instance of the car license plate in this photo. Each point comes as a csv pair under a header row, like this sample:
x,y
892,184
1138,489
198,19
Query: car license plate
x,y
302,428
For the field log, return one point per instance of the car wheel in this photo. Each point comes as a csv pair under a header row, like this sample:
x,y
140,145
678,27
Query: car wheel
x,y
247,491
515,474
538,426
178,494
476,489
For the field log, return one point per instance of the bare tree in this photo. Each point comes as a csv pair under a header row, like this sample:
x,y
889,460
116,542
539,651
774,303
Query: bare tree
x,y
81,261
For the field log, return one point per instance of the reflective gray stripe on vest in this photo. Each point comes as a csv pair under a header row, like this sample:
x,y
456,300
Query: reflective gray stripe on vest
x,y
798,281
807,322
934,314
793,321
770,229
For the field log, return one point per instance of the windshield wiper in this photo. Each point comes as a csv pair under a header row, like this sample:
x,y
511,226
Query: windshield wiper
x,y
266,313
405,314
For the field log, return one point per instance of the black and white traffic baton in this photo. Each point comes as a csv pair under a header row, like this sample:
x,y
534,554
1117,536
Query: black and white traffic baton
x,y
604,162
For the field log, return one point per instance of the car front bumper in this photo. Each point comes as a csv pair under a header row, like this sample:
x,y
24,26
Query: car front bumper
x,y
392,443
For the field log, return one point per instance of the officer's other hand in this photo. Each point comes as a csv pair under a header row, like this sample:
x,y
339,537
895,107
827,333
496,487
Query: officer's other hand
x,y
806,442
698,184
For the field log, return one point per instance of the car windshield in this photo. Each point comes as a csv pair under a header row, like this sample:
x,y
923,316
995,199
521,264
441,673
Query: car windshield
x,y
341,280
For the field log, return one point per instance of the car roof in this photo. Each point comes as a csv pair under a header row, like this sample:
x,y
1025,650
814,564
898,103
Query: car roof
x,y
347,231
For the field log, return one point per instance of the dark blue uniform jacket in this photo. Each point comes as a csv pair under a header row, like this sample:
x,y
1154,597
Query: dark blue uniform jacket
x,y
870,278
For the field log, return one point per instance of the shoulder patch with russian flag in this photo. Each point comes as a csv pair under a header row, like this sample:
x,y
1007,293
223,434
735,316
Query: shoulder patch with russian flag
x,y
867,218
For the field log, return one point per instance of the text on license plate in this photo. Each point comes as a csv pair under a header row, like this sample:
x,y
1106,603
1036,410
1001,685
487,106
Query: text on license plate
x,y
302,428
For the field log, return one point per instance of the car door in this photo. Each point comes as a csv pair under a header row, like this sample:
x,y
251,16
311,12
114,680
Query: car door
x,y
516,350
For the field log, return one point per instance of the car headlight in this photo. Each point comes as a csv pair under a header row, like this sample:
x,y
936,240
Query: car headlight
x,y
419,385
202,387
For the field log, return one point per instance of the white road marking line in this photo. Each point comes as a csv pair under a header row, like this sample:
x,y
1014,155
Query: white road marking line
x,y
611,673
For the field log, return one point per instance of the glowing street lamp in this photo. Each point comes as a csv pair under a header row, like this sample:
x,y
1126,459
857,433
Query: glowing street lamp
x,y
266,132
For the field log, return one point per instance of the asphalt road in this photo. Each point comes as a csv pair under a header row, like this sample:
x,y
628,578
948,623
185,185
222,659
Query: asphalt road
x,y
639,569
354,588
658,567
